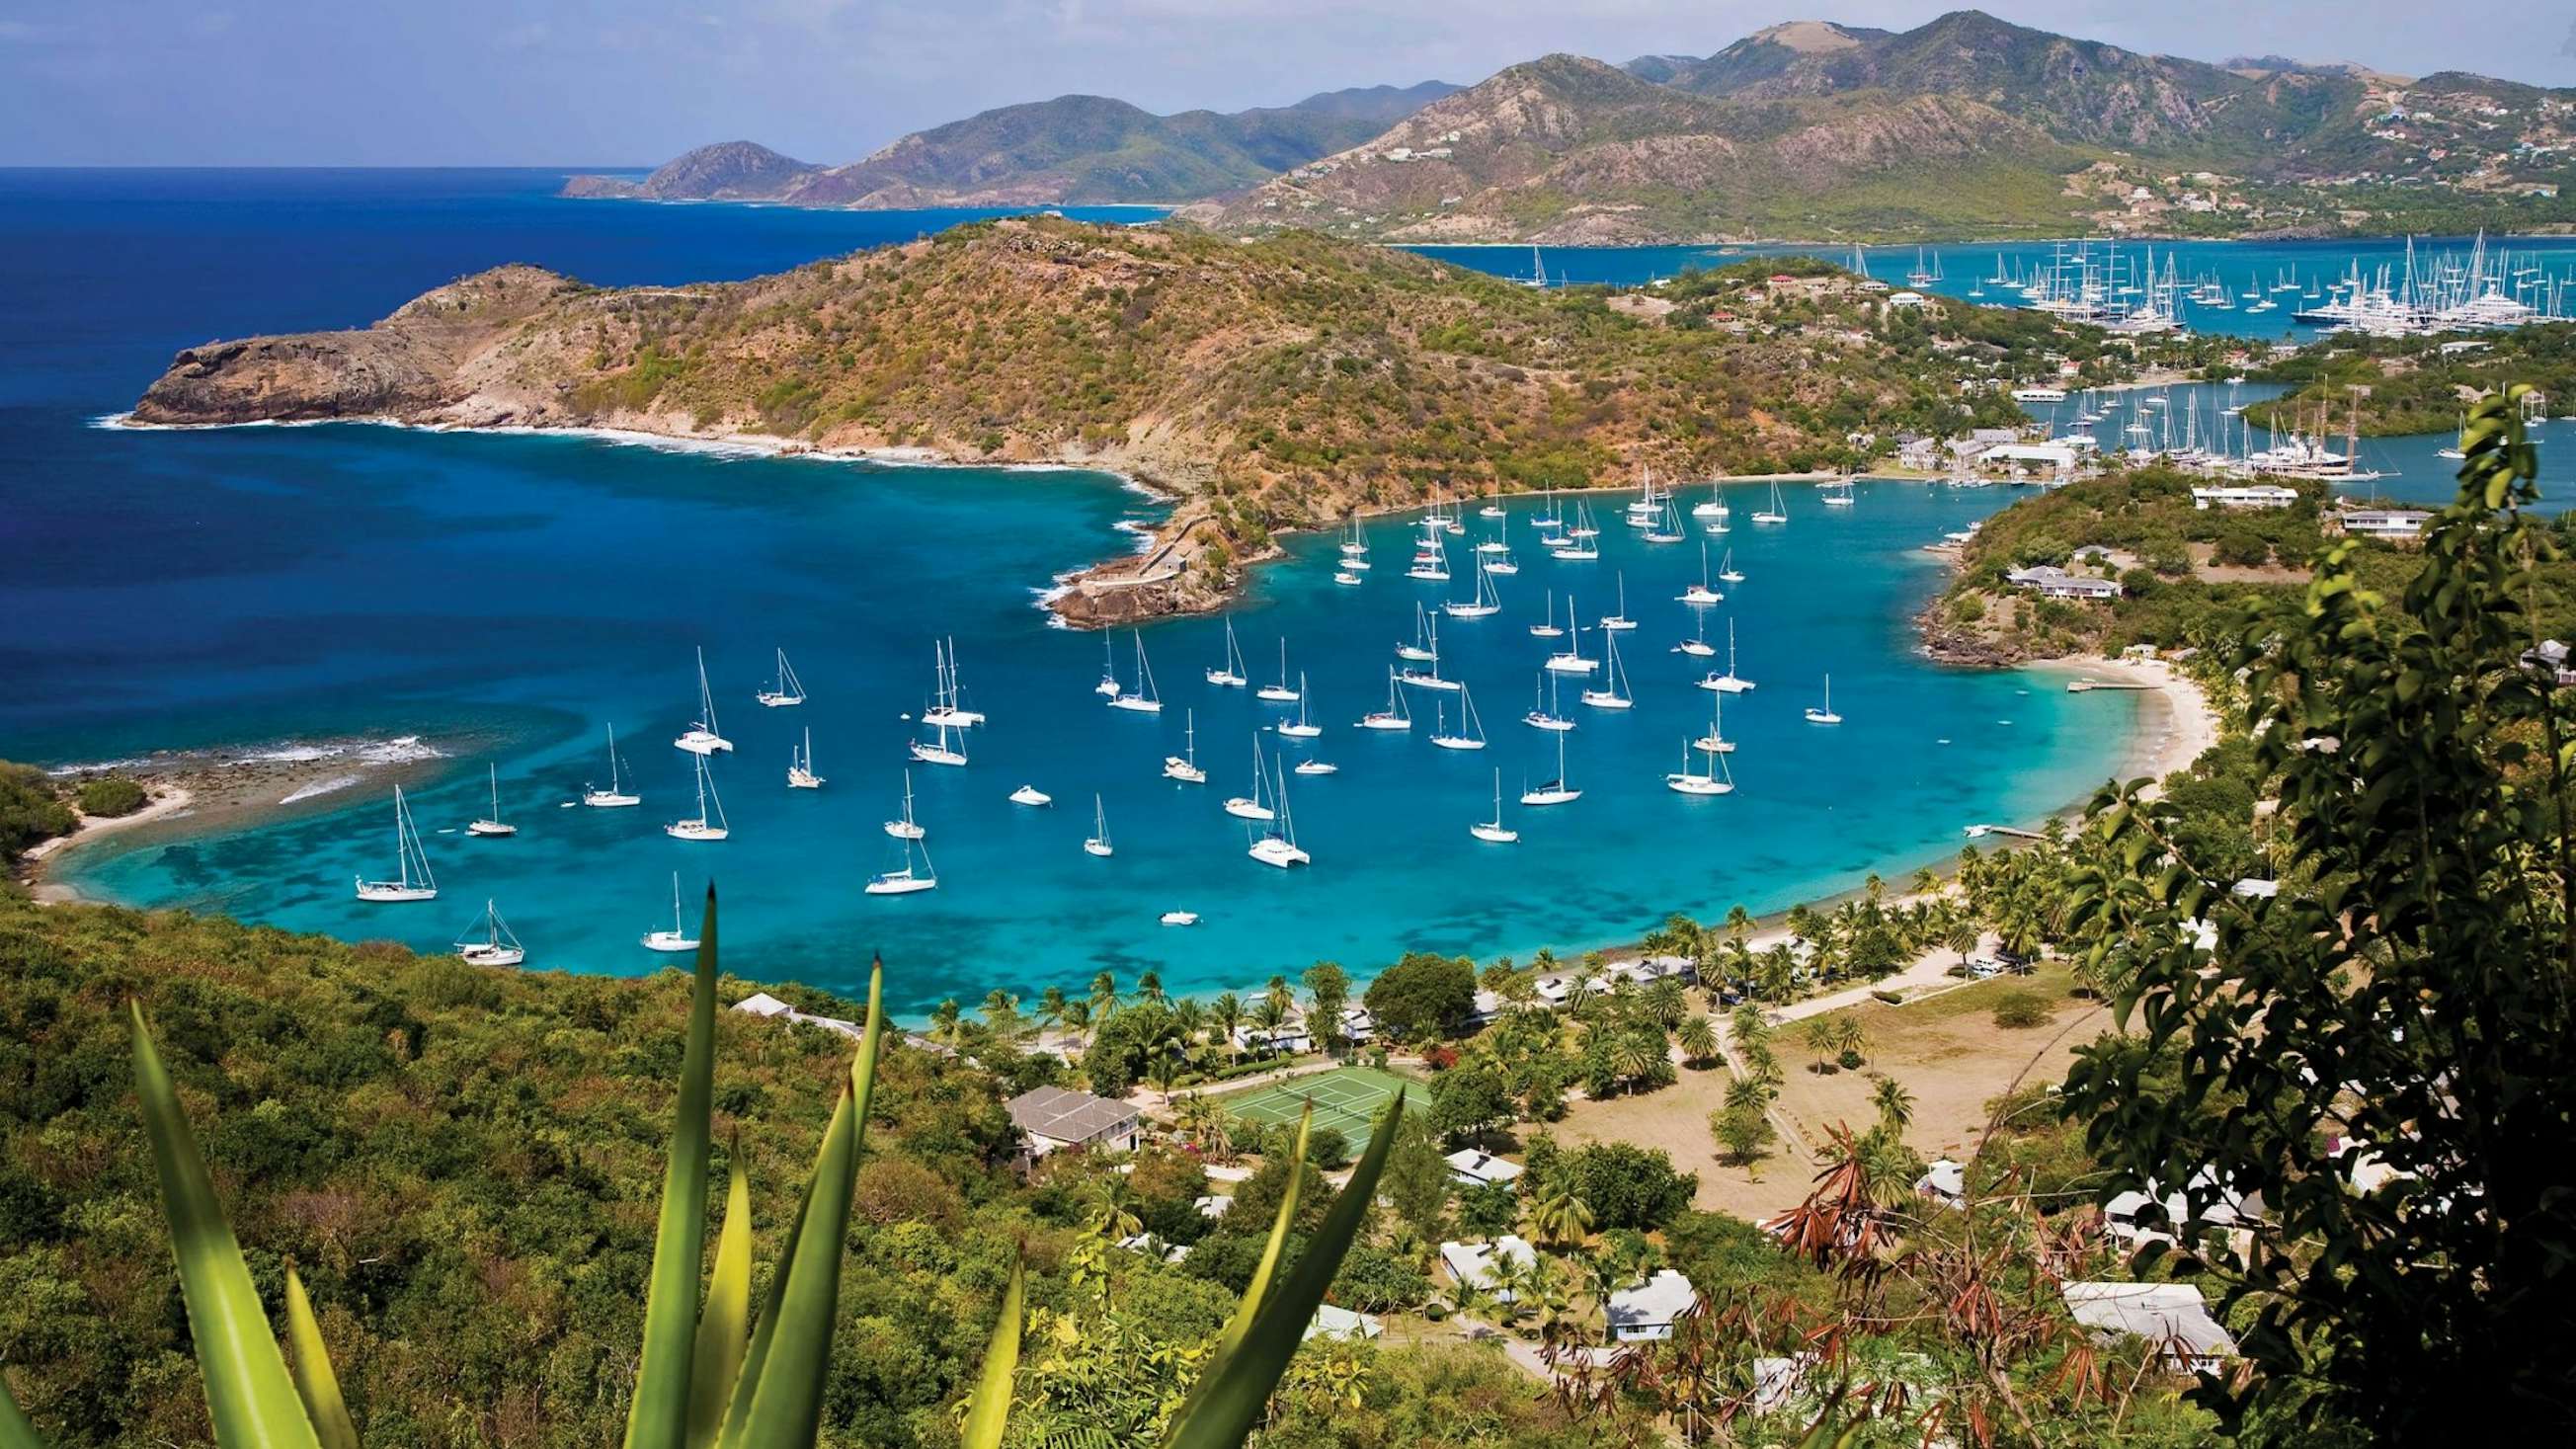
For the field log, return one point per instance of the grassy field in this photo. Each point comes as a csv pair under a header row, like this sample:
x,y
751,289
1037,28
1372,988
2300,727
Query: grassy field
x,y
1347,1100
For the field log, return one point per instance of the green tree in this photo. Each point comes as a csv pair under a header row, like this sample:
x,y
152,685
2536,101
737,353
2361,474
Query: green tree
x,y
1697,1037
1421,996
1894,1104
1469,1101
1744,1132
1560,1217
1328,991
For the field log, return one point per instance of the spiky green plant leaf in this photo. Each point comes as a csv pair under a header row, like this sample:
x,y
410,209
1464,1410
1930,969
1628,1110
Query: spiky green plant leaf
x,y
988,1412
15,1431
724,1326
250,1398
1259,1288
314,1380
659,1417
1229,1400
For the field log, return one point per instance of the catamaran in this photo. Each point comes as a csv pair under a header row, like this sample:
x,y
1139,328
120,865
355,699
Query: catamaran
x,y
614,796
1687,781
785,690
1098,844
948,698
1825,716
1143,700
1777,512
707,824
700,738
1278,845
1279,693
1471,730
1302,727
1426,638
906,826
1729,682
1543,713
905,879
1230,674
673,939
490,943
1615,622
493,824
1715,741
1557,791
1254,806
800,766
1494,830
1185,767
1487,600
1546,628
412,882
1700,593
1614,693
1393,717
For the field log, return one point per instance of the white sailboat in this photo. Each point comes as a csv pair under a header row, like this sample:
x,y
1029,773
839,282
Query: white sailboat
x,y
1229,675
1715,741
490,943
939,751
1570,659
1428,676
907,878
412,880
1143,700
674,939
1777,512
1546,628
1098,844
785,691
1697,646
1729,682
1394,716
1578,546
1303,726
1715,508
800,766
906,826
1254,806
1355,546
1687,781
1426,637
1700,594
1108,687
1279,693
493,824
1614,691
947,698
1471,730
1494,831
709,822
1487,599
1727,571
1430,558
1278,845
1543,711
1825,716
1667,528
701,738
1185,767
1619,621
1837,494
616,794
1559,791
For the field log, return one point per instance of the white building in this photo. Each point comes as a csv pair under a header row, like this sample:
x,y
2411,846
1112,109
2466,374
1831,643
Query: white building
x,y
1342,1324
2052,582
2172,1315
1649,1310
2390,523
1480,1169
1945,1182
1473,1263
2244,495
1054,1119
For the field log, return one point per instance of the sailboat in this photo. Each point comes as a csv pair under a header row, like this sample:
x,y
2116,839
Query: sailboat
x,y
785,691
1837,494
1546,628
412,882
1143,700
1230,674
1430,558
490,944
800,766
1729,682
1426,638
906,826
1393,717
1697,646
706,824
1355,548
493,824
700,738
1487,600
673,939
1714,509
1614,693
1185,767
1108,687
905,879
1570,659
1098,844
1715,741
1687,781
1471,734
1302,727
1557,791
1278,845
1578,546
1615,622
1428,677
1543,713
1727,572
948,698
1700,593
1494,830
1776,512
1279,693
1253,806
614,796
1667,528
1825,716
938,751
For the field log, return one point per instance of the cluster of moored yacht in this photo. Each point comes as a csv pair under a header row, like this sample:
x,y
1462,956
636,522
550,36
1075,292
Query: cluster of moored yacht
x,y
946,724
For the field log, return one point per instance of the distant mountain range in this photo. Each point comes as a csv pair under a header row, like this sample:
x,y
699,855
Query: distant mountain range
x,y
1965,126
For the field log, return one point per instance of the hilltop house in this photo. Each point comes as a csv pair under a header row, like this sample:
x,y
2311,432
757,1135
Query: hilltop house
x,y
1649,1310
2244,495
1474,1263
2396,524
2051,582
2170,1315
1341,1324
1055,1119
1481,1169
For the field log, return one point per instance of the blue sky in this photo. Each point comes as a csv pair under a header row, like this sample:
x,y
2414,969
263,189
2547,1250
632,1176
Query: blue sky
x,y
560,82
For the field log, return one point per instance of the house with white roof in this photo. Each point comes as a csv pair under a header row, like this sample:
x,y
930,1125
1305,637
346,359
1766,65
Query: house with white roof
x,y
1474,1263
2172,1315
1480,1169
1649,1310
2123,1216
1342,1325
2051,582
1290,1036
1945,1182
2244,495
1053,1119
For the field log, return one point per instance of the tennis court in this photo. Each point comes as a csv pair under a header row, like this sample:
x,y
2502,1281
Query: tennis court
x,y
1347,1099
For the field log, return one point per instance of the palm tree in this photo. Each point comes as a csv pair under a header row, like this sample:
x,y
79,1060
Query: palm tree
x,y
1665,1002
1113,1208
1149,987
1469,1300
1895,1105
1104,995
1820,1034
1279,993
1698,1039
1963,936
1739,922
1560,1218
1636,1054
1227,1013
944,1026
1927,881
1077,1019
1269,1014
1165,1068
1051,1004
1850,1038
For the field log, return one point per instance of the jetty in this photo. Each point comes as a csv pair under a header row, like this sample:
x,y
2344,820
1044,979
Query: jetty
x,y
2080,686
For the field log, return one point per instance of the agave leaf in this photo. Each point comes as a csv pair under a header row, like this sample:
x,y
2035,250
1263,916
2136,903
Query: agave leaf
x,y
1230,1398
658,1418
15,1431
314,1380
1259,1288
764,1328
989,1411
784,1404
724,1326
249,1397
